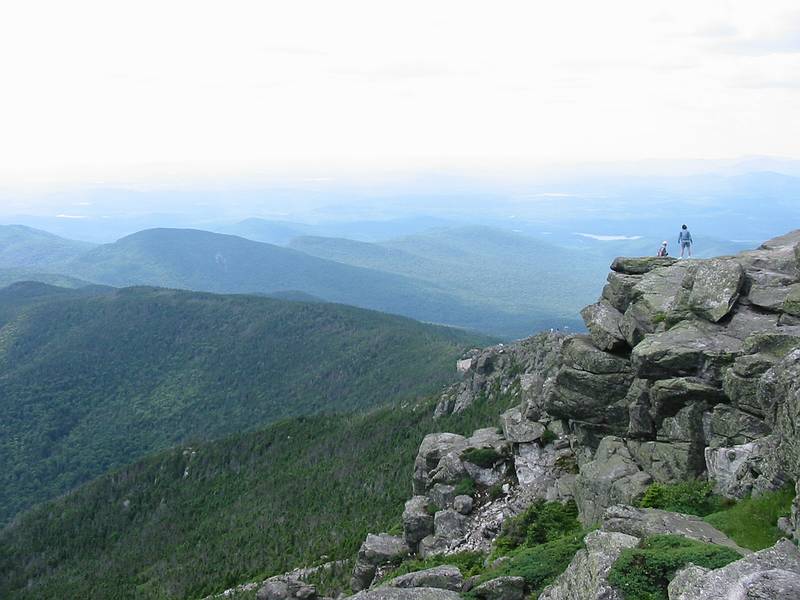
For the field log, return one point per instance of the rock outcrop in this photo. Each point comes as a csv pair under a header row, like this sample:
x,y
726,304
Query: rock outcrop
x,y
644,522
286,588
376,551
393,593
613,477
771,574
586,576
521,370
690,370
445,577
502,588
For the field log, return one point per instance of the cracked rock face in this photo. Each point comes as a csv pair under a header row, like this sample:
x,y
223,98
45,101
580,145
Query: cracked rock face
x,y
613,477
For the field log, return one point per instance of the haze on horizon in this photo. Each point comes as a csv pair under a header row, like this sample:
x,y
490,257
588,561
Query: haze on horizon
x,y
101,93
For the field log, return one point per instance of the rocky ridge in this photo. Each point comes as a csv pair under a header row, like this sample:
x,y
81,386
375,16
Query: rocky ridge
x,y
689,370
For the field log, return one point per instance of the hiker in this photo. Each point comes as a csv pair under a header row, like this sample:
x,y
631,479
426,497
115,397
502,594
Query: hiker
x,y
685,240
663,250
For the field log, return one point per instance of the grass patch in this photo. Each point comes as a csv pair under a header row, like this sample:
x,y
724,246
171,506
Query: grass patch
x,y
539,565
751,523
465,487
482,457
470,563
644,573
690,497
542,522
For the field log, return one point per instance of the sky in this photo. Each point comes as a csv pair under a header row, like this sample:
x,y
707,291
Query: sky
x,y
104,91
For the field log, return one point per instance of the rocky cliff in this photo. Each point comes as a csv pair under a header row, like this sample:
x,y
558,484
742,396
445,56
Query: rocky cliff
x,y
690,370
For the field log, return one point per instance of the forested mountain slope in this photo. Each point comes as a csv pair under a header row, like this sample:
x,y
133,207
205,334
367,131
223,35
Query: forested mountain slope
x,y
94,378
195,520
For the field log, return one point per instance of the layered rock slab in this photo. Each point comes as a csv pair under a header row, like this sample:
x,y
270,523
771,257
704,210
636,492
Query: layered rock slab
x,y
445,577
644,522
771,574
393,593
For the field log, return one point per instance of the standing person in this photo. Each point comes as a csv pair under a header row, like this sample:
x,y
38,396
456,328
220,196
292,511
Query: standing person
x,y
685,240
663,250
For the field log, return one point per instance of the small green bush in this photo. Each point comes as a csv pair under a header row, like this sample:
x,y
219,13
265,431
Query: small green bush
x,y
465,487
538,565
751,523
431,508
482,457
643,573
547,438
542,522
690,497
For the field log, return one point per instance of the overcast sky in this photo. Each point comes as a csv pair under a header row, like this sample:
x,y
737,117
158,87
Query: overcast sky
x,y
105,90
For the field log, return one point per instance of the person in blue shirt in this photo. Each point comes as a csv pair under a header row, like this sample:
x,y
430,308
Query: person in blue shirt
x,y
685,240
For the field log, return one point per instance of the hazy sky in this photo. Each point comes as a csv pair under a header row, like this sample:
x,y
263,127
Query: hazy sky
x,y
100,90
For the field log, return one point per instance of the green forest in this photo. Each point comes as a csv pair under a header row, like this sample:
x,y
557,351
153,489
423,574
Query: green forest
x,y
92,379
198,519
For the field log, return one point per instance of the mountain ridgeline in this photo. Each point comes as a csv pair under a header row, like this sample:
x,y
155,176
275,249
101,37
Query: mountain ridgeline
x,y
28,248
478,278
94,378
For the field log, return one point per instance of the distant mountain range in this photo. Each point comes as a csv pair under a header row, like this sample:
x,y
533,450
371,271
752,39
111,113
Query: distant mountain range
x,y
475,278
93,378
486,279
